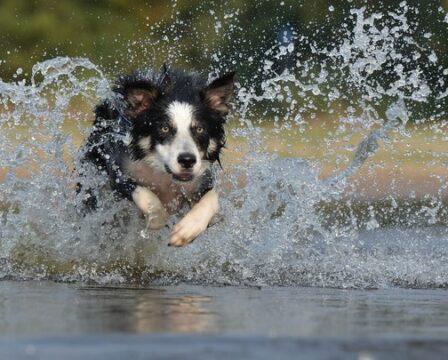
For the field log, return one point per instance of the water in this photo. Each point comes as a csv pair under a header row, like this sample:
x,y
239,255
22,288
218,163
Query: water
x,y
52,309
50,320
283,222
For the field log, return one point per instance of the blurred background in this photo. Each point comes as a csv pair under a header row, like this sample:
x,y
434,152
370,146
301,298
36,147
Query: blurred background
x,y
123,35
262,40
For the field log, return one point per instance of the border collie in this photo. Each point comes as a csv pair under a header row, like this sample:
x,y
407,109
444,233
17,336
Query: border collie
x,y
157,139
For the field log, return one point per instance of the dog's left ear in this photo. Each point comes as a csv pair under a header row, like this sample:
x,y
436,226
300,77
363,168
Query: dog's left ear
x,y
219,92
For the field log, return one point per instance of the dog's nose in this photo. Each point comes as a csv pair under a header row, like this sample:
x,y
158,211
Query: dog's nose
x,y
186,160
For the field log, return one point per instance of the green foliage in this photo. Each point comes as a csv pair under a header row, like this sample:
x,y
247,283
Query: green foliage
x,y
121,35
105,31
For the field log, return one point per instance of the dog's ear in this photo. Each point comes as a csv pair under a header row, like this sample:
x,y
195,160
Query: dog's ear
x,y
140,98
219,92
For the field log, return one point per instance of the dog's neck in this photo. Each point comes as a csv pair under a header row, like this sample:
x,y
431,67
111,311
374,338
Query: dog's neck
x,y
171,193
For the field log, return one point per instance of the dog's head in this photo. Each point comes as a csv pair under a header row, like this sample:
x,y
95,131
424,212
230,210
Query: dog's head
x,y
178,120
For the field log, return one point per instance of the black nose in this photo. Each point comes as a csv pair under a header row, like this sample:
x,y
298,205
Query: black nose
x,y
186,160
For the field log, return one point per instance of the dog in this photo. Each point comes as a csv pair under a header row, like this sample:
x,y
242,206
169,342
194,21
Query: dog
x,y
158,139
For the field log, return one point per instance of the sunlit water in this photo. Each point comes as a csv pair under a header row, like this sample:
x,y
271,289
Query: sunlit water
x,y
272,230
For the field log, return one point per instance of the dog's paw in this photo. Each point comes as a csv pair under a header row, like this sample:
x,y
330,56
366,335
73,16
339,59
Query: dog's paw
x,y
151,207
186,230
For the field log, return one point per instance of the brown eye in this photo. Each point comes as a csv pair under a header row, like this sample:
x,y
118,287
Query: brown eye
x,y
200,130
165,129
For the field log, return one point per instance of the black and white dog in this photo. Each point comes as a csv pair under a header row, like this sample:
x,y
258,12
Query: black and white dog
x,y
157,139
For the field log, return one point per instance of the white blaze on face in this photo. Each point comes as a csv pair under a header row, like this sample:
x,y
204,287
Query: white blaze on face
x,y
181,115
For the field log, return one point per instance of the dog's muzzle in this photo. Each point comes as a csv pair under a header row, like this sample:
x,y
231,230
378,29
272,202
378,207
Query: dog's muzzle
x,y
184,176
186,160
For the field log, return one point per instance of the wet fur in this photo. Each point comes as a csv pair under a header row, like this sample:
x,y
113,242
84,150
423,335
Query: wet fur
x,y
157,139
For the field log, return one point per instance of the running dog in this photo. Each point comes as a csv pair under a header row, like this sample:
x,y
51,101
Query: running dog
x,y
157,139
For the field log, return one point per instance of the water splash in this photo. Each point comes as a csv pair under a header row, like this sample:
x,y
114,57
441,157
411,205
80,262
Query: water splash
x,y
280,222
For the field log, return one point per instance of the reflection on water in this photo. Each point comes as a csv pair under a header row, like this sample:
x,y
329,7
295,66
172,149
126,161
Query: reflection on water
x,y
182,313
45,308
141,310
33,308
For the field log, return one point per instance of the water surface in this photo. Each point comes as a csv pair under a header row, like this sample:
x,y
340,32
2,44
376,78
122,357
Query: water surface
x,y
47,308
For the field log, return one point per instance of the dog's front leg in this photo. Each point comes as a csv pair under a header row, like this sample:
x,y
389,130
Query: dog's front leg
x,y
151,206
196,220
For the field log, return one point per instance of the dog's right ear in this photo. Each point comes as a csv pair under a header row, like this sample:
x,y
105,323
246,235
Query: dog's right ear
x,y
140,98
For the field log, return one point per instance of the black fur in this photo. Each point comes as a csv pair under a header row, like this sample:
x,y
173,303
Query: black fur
x,y
137,110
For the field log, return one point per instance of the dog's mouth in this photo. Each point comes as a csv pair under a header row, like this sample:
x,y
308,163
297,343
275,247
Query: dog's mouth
x,y
184,176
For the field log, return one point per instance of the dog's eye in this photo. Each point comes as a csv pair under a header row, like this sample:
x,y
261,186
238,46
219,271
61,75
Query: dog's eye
x,y
200,130
165,129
